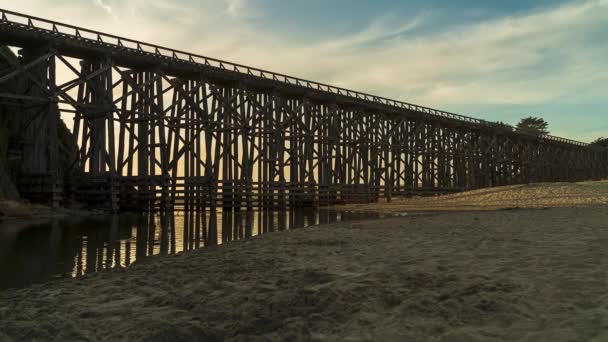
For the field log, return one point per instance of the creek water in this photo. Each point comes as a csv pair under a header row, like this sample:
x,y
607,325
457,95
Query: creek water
x,y
40,252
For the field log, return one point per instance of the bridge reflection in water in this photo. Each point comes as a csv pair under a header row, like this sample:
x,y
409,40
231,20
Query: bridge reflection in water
x,y
38,253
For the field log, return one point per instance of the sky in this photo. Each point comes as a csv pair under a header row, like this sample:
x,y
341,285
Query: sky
x,y
494,60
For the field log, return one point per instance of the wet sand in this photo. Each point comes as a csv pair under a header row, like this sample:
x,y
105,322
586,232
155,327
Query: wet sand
x,y
22,212
508,275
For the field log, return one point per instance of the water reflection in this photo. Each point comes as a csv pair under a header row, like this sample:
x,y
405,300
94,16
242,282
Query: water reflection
x,y
66,248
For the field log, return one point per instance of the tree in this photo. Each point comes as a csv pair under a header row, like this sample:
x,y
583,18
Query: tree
x,y
601,141
534,125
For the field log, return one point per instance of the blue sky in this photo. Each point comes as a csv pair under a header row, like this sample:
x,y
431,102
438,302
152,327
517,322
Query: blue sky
x,y
497,60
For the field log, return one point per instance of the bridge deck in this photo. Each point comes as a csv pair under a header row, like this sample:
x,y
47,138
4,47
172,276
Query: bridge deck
x,y
21,30
156,127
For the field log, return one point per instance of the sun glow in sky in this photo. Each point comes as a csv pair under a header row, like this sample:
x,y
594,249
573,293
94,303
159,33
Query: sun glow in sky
x,y
497,61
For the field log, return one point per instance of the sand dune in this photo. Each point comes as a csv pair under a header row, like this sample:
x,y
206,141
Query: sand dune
x,y
511,275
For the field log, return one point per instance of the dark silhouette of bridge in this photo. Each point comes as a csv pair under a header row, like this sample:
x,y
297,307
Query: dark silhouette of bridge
x,y
158,128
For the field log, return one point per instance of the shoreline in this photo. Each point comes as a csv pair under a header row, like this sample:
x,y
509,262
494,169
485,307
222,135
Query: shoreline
x,y
19,210
513,197
485,276
533,269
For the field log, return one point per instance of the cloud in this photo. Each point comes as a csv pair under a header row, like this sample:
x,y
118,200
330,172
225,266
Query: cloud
x,y
552,55
235,8
498,61
104,6
525,59
522,59
383,29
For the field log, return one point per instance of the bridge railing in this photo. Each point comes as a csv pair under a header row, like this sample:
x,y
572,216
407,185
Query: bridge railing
x,y
78,33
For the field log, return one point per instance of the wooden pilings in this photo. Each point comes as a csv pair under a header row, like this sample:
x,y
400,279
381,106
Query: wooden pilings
x,y
149,140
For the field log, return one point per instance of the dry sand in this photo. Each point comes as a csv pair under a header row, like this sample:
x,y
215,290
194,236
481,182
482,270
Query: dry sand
x,y
511,275
530,196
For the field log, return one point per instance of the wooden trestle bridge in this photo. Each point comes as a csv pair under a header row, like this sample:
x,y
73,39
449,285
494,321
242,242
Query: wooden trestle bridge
x,y
159,128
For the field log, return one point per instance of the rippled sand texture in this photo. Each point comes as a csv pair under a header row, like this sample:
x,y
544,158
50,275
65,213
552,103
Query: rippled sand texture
x,y
518,275
542,195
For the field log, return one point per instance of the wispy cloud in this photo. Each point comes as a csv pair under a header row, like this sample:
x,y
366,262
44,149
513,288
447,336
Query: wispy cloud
x,y
235,8
515,60
104,6
551,55
380,30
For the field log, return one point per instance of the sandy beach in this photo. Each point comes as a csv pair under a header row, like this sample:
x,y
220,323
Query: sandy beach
x,y
525,196
488,275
